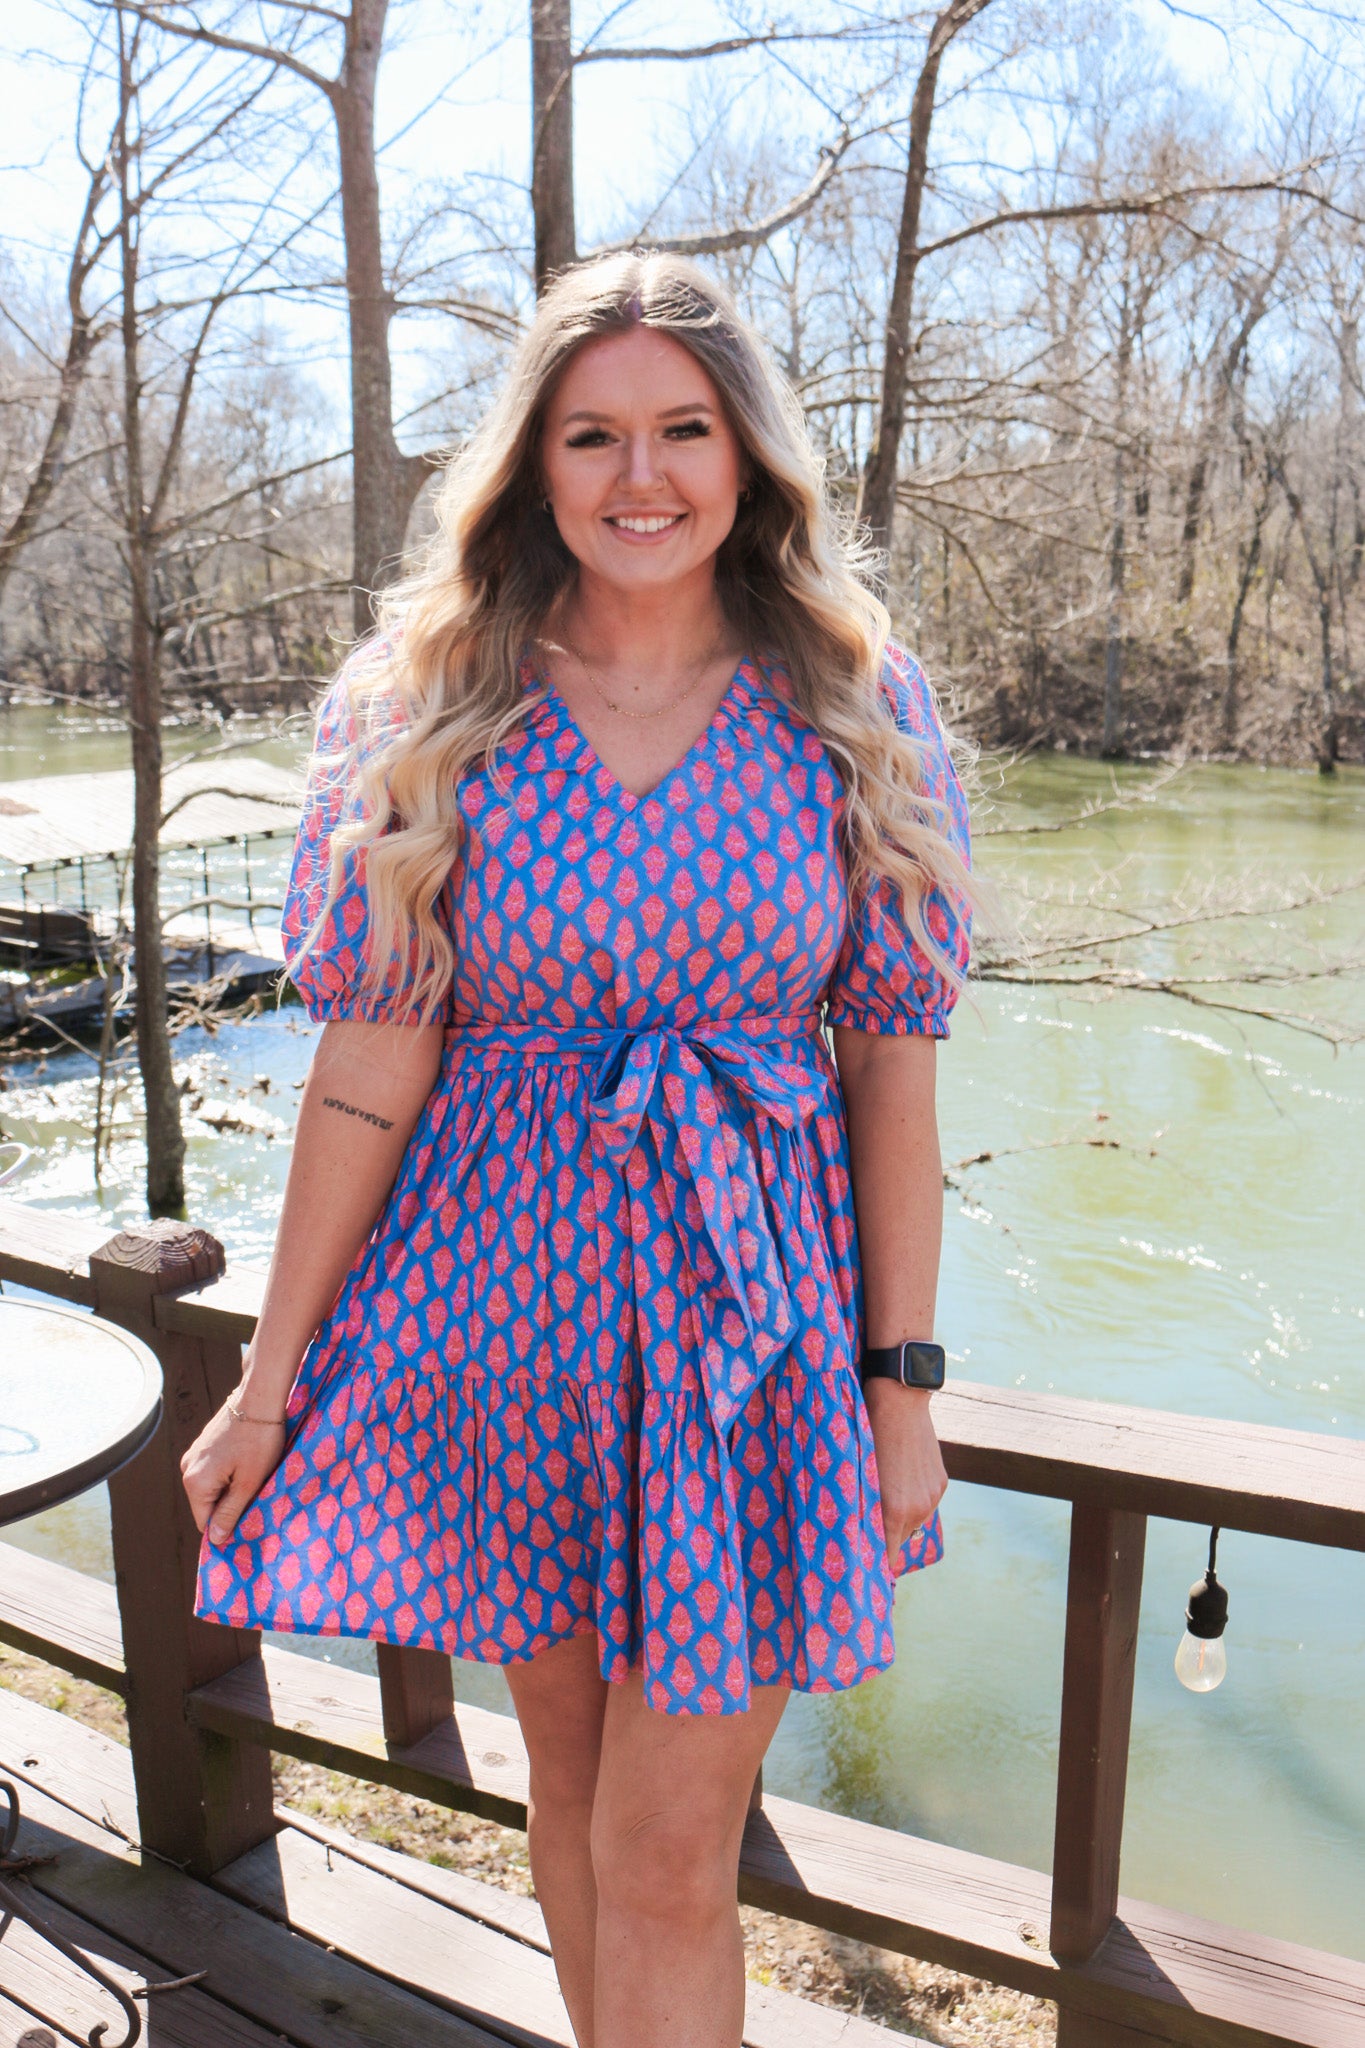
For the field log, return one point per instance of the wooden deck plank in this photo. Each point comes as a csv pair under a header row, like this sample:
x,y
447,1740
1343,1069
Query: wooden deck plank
x,y
773,2018
1188,1468
417,1924
1172,1973
64,1617
40,1249
390,1928
282,1980
42,1987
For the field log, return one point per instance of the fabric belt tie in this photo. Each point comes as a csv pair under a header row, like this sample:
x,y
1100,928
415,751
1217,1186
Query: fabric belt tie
x,y
740,1232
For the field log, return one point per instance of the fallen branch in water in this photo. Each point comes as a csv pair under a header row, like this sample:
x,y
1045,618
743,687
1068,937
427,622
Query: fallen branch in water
x,y
1092,960
1096,807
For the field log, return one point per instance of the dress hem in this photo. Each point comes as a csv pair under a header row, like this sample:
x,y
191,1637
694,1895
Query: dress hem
x,y
785,1682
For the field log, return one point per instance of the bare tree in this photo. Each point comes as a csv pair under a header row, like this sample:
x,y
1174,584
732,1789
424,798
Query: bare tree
x,y
83,335
877,495
386,480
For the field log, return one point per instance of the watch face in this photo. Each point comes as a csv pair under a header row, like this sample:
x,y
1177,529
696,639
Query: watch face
x,y
923,1365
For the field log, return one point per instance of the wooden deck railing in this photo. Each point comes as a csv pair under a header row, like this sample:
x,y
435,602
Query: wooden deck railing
x,y
206,1705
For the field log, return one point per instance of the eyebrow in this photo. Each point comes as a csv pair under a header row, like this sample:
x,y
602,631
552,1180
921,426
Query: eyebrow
x,y
671,412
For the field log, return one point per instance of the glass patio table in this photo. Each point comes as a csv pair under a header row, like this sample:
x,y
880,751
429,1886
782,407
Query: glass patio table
x,y
78,1398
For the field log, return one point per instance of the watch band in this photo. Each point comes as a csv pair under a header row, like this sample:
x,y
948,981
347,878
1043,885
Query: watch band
x,y
913,1363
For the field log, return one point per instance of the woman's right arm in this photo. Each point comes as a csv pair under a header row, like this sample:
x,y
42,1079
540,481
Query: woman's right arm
x,y
365,1091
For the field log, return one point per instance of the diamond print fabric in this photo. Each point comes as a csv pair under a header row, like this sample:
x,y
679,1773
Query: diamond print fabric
x,y
594,1371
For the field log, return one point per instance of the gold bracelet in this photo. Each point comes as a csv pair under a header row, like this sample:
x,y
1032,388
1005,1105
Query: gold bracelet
x,y
261,1421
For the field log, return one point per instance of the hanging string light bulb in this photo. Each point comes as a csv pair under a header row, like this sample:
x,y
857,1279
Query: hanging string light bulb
x,y
1201,1662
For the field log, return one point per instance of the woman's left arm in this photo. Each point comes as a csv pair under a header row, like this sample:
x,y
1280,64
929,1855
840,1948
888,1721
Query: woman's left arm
x,y
888,1086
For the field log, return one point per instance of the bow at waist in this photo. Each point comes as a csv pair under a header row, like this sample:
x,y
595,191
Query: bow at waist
x,y
685,1093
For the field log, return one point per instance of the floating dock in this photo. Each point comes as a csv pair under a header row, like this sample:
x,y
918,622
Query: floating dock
x,y
65,859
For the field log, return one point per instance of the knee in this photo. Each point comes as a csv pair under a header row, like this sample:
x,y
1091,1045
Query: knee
x,y
561,1798
663,1866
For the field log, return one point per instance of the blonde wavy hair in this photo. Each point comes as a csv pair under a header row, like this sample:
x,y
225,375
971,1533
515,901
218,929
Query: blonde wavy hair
x,y
438,688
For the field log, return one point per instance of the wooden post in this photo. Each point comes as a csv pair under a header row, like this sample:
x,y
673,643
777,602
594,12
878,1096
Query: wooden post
x,y
202,1799
416,1692
1104,1588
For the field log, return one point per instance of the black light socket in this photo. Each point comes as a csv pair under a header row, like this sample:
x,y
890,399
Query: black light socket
x,y
1207,1613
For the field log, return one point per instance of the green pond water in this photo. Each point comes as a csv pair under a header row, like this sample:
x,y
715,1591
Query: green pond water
x,y
1208,1259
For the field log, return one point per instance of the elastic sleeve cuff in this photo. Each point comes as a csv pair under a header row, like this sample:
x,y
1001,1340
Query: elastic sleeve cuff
x,y
899,1024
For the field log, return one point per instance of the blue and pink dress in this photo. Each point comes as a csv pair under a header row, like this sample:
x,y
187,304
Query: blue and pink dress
x,y
595,1369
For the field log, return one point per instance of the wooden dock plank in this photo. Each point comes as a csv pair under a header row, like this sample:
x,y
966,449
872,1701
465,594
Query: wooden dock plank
x,y
65,1617
227,1306
41,1985
280,1979
89,817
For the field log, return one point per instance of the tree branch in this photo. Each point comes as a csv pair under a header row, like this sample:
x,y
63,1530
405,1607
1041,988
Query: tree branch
x,y
194,31
755,232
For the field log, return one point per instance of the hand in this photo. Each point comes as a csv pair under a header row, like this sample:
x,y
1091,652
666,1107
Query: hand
x,y
225,1468
909,1462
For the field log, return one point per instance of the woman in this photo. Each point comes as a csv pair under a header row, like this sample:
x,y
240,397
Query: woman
x,y
559,1359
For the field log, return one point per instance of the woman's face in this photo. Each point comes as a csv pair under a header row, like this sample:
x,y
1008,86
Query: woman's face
x,y
641,466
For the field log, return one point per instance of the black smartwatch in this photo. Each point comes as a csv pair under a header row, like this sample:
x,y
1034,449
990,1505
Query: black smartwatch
x,y
912,1363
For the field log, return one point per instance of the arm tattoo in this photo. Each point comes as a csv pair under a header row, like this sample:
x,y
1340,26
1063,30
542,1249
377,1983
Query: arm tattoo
x,y
381,1123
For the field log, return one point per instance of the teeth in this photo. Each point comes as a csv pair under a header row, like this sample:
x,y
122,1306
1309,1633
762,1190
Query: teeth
x,y
654,525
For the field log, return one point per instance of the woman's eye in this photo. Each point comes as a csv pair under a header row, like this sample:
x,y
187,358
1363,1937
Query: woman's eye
x,y
588,437
689,430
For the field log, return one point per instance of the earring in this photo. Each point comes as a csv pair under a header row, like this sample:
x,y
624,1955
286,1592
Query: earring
x,y
547,505
747,492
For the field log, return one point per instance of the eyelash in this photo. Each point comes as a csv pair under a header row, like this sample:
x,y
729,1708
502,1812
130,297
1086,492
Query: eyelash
x,y
595,437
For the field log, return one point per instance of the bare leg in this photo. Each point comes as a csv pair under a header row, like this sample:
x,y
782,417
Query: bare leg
x,y
560,1698
672,1796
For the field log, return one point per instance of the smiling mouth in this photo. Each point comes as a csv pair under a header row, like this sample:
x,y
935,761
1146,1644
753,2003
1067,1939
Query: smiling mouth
x,y
646,522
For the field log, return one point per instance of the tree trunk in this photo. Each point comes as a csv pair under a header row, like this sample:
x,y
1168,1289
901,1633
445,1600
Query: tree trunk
x,y
1329,739
1111,743
877,493
1189,536
385,482
165,1138
552,195
1251,562
48,471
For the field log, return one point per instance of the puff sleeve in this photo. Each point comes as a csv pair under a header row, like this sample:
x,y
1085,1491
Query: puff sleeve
x,y
328,975
883,980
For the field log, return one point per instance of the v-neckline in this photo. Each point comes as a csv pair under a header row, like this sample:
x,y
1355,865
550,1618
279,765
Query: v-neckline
x,y
555,699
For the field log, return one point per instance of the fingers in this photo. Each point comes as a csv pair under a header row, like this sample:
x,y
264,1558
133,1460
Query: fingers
x,y
201,1490
223,1474
229,1509
903,1516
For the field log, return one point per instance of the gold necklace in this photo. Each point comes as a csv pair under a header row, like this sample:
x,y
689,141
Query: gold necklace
x,y
660,710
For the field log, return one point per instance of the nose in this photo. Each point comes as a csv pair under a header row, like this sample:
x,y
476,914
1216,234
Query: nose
x,y
640,468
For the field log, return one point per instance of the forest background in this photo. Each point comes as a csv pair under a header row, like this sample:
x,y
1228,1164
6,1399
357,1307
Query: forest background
x,y
1071,295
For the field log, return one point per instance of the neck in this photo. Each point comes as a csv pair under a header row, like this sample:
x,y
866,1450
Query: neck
x,y
644,629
